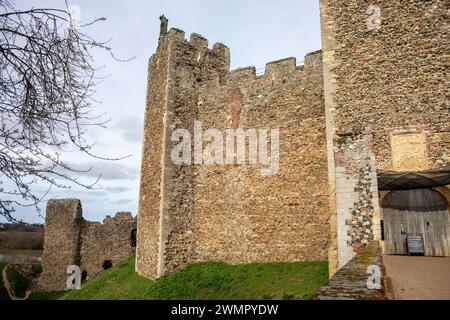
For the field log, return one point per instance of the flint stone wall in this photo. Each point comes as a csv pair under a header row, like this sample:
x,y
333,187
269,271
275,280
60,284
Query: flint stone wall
x,y
231,213
71,240
391,82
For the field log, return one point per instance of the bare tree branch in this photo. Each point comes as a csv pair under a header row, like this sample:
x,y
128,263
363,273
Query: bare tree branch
x,y
47,80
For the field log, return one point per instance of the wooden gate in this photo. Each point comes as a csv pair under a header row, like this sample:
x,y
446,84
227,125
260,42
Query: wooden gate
x,y
423,211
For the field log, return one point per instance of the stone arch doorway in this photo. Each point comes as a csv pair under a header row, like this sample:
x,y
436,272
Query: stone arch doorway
x,y
423,211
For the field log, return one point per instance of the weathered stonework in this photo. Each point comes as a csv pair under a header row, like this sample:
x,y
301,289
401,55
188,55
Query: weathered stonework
x,y
356,194
372,99
231,213
71,240
409,151
350,282
390,82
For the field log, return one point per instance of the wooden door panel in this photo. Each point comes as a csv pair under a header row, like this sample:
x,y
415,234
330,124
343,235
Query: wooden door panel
x,y
406,212
394,232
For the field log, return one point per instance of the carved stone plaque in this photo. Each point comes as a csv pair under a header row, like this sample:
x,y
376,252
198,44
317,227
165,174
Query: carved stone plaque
x,y
409,152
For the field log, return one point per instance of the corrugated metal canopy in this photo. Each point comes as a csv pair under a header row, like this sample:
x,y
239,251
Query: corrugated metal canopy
x,y
393,180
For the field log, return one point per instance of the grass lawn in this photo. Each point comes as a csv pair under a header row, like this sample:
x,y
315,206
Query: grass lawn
x,y
209,280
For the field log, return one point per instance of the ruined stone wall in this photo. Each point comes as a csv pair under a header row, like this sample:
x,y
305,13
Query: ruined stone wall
x,y
62,235
389,81
71,240
231,212
107,241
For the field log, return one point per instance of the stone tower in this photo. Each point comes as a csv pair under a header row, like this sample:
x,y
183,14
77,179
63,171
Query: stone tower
x,y
173,72
230,213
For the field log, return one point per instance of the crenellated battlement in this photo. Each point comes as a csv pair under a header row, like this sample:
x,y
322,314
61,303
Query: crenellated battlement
x,y
278,69
242,74
176,34
283,65
195,39
198,41
216,60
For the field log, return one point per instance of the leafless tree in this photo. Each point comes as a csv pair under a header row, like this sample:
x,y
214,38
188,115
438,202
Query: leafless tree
x,y
47,80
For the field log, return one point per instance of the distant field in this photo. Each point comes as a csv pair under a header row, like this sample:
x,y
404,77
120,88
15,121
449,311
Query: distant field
x,y
21,237
209,280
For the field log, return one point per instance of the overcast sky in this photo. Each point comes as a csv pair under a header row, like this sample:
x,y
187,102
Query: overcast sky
x,y
255,31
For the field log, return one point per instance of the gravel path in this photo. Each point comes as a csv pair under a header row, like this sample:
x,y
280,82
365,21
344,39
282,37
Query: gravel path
x,y
418,278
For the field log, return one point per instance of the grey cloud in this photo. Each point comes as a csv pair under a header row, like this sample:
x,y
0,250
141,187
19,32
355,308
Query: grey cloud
x,y
108,170
122,201
130,128
118,189
91,193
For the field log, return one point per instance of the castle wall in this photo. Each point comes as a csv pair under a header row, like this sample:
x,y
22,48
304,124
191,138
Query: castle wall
x,y
71,240
242,215
231,212
389,82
